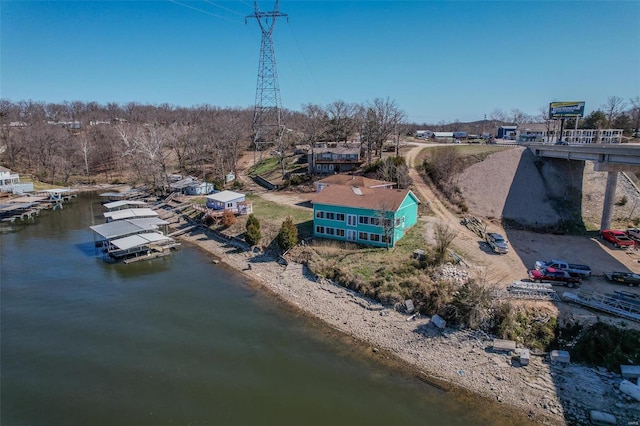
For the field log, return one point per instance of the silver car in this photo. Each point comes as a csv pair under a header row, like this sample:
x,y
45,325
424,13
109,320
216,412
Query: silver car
x,y
498,243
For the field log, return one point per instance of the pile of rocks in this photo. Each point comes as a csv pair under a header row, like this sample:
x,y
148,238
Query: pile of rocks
x,y
453,273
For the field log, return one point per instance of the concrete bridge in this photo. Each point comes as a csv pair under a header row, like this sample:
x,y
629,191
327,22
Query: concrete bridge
x,y
607,158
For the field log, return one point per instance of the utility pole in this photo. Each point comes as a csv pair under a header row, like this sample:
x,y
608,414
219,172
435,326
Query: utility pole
x,y
267,122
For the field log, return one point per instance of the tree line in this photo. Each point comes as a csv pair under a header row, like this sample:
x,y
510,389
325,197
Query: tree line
x,y
62,142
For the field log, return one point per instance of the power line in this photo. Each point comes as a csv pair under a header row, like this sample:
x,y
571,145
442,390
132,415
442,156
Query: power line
x,y
205,12
224,8
304,58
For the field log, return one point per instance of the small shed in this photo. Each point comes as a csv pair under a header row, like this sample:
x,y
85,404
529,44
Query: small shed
x,y
225,200
198,188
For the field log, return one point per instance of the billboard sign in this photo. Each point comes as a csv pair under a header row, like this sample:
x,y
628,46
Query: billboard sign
x,y
566,109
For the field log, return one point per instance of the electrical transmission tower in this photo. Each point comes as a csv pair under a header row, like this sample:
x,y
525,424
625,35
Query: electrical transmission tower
x,y
267,123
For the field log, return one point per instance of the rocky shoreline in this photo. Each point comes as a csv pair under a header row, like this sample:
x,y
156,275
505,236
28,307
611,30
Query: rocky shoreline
x,y
541,392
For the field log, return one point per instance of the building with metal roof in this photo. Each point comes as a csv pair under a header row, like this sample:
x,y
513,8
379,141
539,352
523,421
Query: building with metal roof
x,y
129,214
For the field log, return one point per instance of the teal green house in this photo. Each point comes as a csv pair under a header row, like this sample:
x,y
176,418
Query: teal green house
x,y
373,216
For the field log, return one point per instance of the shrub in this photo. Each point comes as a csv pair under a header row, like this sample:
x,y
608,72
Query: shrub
x,y
470,305
288,235
253,235
608,346
228,218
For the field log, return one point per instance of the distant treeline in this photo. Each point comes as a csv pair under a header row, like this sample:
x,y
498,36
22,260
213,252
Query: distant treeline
x,y
62,143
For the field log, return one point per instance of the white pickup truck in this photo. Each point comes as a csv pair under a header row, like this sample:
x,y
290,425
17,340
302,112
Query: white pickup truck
x,y
575,270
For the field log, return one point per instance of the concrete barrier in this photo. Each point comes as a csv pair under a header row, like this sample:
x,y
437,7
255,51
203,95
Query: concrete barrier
x,y
524,357
500,345
438,322
630,371
630,389
561,357
264,183
602,418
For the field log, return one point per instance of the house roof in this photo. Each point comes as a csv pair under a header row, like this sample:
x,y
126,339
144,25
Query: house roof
x,y
352,180
365,198
225,196
337,150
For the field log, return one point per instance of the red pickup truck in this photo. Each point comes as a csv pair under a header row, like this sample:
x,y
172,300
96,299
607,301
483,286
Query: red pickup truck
x,y
619,239
554,276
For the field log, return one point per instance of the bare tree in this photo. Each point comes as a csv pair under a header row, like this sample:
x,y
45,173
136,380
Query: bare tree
x,y
83,142
613,108
634,112
315,123
444,236
403,178
498,115
384,219
341,120
179,141
518,117
400,130
382,116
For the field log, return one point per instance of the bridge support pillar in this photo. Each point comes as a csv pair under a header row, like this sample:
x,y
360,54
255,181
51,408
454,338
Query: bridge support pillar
x,y
609,199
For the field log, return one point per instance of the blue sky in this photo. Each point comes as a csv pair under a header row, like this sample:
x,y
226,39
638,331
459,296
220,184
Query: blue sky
x,y
439,60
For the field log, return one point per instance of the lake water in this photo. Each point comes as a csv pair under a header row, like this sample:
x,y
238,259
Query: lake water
x,y
179,341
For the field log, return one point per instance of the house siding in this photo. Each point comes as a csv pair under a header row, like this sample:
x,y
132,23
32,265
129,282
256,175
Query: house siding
x,y
338,228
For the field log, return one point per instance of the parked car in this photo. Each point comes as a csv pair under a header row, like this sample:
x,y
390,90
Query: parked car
x,y
634,233
619,239
574,269
554,276
497,243
628,278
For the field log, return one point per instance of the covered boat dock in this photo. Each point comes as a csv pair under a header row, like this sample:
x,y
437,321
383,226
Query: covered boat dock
x,y
138,213
124,204
126,227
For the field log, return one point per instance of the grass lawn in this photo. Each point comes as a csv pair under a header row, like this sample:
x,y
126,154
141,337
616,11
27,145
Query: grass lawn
x,y
271,212
264,167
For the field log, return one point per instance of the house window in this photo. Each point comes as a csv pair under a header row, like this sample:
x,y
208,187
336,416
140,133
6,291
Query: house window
x,y
340,217
363,236
364,220
229,205
374,237
351,220
340,232
319,229
374,221
320,214
330,231
331,215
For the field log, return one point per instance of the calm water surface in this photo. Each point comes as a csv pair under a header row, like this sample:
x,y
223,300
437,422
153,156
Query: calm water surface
x,y
178,341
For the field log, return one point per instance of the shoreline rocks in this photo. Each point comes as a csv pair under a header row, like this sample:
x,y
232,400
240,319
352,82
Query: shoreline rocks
x,y
541,391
